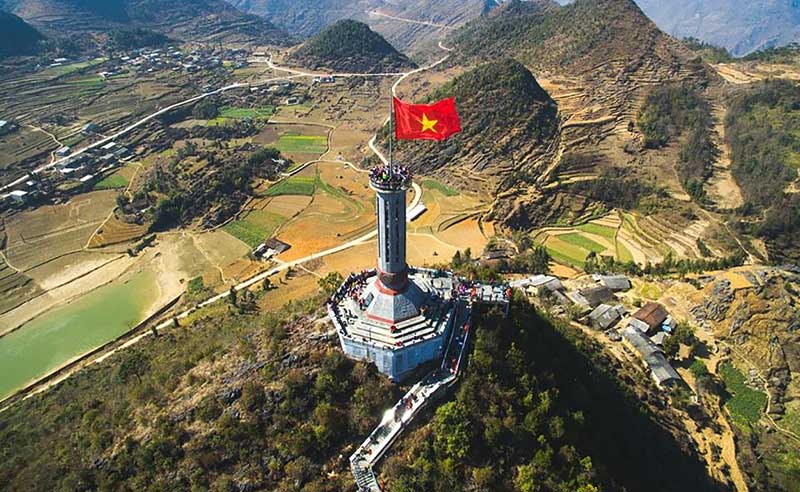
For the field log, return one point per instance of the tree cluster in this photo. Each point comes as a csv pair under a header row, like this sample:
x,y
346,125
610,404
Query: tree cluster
x,y
669,266
673,110
269,421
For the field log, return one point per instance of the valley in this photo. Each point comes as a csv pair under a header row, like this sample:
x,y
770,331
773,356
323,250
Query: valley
x,y
199,197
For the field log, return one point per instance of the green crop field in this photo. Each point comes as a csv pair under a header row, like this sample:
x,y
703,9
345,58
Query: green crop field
x,y
623,254
111,182
582,242
565,252
306,144
256,227
607,232
440,187
234,112
296,185
73,140
560,257
746,404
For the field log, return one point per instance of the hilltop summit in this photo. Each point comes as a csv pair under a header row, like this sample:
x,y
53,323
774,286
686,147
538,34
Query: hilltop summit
x,y
350,46
506,117
17,37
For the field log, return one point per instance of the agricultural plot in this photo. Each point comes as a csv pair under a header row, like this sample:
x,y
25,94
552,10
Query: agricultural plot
x,y
610,235
302,144
296,185
37,236
449,224
112,182
341,209
746,404
229,113
255,227
15,288
24,144
445,190
116,231
234,112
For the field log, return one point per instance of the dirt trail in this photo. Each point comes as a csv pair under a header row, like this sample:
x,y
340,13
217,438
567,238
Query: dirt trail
x,y
722,188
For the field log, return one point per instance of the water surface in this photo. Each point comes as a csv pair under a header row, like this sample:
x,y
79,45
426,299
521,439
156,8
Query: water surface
x,y
51,340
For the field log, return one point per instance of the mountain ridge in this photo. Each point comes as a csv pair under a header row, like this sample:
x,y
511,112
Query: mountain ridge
x,y
17,37
211,20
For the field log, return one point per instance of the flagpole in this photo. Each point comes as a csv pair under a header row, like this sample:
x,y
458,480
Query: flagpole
x,y
391,134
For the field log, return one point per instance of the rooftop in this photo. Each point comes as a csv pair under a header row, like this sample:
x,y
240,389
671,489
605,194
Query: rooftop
x,y
653,314
613,282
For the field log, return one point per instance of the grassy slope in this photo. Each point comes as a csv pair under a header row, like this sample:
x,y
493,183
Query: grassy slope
x,y
215,405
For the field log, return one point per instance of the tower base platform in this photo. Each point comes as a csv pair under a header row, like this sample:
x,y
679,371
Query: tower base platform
x,y
398,331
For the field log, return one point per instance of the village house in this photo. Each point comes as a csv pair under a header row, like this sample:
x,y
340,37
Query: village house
x,y
606,316
617,283
7,127
90,128
649,318
539,285
592,297
18,197
661,371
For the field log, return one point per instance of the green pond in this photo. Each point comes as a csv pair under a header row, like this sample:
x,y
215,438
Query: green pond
x,y
49,341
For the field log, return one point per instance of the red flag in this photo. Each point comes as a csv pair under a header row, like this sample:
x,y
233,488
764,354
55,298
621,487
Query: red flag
x,y
435,121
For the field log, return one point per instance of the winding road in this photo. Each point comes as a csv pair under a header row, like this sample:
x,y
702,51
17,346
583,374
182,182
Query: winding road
x,y
36,387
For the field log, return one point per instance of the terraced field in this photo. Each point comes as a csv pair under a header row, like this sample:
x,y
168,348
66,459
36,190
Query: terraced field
x,y
37,236
116,231
571,245
15,288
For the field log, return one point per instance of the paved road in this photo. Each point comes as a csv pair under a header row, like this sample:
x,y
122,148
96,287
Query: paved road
x,y
167,324
295,74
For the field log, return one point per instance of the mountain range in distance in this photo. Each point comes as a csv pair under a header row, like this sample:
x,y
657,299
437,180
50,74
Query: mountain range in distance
x,y
191,20
740,26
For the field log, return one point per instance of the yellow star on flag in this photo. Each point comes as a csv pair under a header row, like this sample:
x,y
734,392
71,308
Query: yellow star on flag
x,y
428,124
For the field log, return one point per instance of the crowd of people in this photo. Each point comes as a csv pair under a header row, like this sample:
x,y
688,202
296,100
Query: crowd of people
x,y
390,176
474,291
352,287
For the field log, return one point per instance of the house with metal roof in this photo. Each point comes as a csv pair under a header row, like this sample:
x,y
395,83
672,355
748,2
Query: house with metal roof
x,y
606,316
616,283
651,314
661,371
539,284
592,297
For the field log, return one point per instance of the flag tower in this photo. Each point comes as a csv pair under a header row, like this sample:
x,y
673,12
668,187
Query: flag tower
x,y
395,316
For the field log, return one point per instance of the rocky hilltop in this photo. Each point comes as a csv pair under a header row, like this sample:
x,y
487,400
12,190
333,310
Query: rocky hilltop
x,y
17,37
201,20
350,46
598,59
